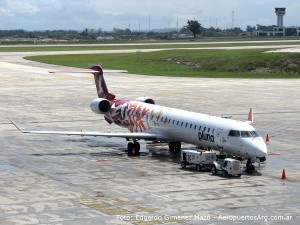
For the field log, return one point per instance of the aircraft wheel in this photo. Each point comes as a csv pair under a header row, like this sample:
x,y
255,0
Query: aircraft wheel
x,y
250,168
239,175
214,170
136,147
198,167
130,148
177,146
171,146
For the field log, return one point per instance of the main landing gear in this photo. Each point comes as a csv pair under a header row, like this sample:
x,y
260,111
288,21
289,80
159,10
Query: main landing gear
x,y
174,147
133,148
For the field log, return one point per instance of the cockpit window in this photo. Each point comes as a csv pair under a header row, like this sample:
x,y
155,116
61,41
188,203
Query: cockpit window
x,y
247,134
255,134
234,133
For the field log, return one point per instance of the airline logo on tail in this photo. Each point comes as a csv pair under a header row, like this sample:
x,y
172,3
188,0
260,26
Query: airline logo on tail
x,y
101,86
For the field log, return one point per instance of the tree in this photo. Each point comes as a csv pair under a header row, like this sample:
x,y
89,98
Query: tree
x,y
194,26
250,28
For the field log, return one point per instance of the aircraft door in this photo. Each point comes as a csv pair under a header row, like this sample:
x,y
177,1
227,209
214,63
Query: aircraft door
x,y
220,140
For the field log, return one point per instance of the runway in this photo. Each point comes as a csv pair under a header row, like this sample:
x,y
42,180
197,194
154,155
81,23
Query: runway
x,y
78,180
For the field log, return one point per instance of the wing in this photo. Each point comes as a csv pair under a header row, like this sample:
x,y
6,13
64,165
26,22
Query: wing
x,y
138,136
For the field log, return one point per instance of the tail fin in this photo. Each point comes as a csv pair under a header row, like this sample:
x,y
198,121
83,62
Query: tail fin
x,y
101,86
250,116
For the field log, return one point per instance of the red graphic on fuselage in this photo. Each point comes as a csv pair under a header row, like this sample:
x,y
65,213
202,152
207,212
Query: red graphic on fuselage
x,y
132,115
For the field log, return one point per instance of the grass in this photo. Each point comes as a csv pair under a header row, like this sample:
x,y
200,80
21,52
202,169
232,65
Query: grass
x,y
37,48
190,63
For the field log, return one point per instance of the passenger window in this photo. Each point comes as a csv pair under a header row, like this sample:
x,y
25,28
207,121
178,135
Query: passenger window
x,y
208,130
177,123
191,126
200,128
181,123
195,127
234,133
204,129
186,124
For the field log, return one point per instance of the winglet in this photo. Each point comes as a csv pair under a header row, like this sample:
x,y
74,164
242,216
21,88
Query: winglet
x,y
16,125
250,116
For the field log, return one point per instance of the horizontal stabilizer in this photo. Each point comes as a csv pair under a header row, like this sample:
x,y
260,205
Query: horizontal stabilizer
x,y
88,71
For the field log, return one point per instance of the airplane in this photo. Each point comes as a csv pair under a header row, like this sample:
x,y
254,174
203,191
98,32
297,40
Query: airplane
x,y
147,121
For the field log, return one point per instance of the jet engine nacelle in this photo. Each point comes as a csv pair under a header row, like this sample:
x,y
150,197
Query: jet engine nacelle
x,y
145,100
100,106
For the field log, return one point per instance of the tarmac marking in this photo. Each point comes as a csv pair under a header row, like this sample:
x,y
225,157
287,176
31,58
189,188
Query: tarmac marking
x,y
113,211
149,210
63,78
95,203
89,201
39,79
113,206
104,207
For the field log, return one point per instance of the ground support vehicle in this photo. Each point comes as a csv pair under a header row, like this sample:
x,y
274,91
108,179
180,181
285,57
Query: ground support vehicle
x,y
228,166
201,159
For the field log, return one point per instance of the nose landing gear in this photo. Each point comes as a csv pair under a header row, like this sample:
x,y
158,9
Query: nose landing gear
x,y
249,166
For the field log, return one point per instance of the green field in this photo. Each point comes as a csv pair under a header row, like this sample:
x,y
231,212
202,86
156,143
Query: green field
x,y
192,63
169,45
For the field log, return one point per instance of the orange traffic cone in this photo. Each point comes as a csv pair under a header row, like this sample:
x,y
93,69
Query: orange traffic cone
x,y
283,175
267,139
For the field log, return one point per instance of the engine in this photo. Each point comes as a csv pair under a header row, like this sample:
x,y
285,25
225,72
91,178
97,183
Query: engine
x,y
145,100
100,106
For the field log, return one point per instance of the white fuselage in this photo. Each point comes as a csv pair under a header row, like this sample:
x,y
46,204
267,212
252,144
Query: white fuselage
x,y
176,125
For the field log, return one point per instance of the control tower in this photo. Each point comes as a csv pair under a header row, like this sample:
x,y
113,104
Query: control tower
x,y
280,12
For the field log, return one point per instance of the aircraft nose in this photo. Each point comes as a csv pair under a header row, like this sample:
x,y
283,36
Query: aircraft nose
x,y
261,148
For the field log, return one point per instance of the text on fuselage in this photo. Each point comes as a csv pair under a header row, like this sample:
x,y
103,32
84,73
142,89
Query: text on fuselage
x,y
206,136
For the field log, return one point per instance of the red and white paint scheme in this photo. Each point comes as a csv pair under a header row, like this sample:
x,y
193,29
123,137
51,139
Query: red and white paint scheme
x,y
147,121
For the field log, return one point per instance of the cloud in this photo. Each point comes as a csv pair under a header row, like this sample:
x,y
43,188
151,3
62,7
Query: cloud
x,y
107,14
13,8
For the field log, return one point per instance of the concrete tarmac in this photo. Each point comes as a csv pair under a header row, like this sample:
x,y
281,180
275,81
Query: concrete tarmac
x,y
48,179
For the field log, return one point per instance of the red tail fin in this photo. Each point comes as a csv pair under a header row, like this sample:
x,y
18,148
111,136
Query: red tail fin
x,y
250,116
101,86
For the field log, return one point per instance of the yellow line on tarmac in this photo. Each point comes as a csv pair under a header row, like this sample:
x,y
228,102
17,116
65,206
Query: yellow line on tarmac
x,y
39,79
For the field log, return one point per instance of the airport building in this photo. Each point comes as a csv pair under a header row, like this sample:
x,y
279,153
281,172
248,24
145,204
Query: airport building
x,y
280,29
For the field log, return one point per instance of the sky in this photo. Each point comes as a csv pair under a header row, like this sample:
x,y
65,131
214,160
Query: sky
x,y
134,14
